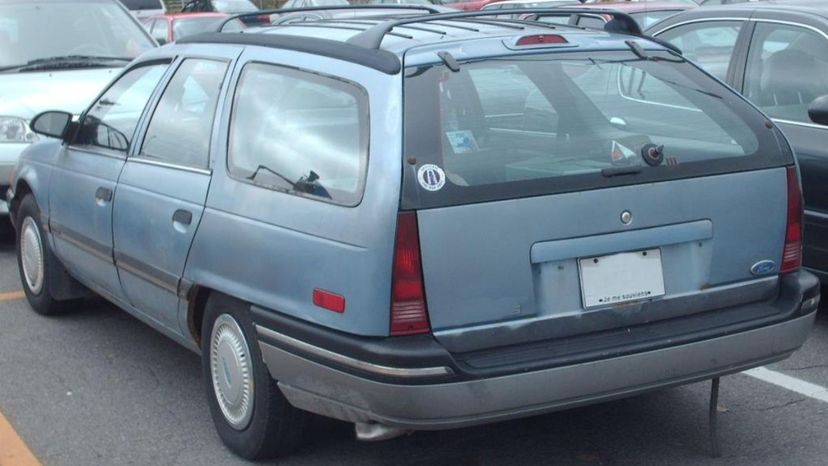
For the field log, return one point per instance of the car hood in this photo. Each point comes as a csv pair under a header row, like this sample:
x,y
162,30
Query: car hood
x,y
25,95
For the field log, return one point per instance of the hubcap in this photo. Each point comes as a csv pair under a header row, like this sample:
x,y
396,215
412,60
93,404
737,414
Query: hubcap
x,y
31,255
231,371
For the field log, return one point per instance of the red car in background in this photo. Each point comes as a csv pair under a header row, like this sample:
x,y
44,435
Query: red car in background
x,y
645,13
173,26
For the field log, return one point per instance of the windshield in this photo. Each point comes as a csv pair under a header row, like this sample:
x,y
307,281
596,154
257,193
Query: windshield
x,y
33,31
539,124
234,6
187,27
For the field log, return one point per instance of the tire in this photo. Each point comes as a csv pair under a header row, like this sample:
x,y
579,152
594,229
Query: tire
x,y
270,426
36,261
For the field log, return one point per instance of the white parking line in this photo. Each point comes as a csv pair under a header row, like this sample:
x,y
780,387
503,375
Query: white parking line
x,y
793,384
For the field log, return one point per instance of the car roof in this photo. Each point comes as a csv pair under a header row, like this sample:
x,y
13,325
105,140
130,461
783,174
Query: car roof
x,y
814,7
520,2
464,34
638,7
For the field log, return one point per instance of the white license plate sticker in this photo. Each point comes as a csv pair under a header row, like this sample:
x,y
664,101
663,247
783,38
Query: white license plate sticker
x,y
621,278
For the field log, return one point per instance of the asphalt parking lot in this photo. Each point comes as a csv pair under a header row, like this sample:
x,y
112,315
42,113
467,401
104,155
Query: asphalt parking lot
x,y
100,387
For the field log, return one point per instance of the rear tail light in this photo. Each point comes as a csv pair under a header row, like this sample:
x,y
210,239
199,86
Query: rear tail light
x,y
409,315
792,254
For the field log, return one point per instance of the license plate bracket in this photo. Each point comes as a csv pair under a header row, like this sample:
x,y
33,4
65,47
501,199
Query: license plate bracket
x,y
621,278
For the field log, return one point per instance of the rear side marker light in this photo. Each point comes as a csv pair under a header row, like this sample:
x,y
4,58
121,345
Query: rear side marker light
x,y
541,39
409,315
330,301
792,253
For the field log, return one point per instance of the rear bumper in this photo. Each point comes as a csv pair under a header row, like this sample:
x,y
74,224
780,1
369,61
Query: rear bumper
x,y
440,396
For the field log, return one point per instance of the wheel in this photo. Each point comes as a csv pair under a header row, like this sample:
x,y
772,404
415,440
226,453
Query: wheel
x,y
250,413
35,261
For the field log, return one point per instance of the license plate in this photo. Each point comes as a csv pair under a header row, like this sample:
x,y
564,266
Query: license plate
x,y
621,278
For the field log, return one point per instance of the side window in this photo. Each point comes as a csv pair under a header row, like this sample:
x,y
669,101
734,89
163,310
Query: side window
x,y
710,44
300,133
589,21
786,71
181,127
112,120
160,31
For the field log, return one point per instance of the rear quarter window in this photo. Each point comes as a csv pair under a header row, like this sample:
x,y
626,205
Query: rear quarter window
x,y
300,133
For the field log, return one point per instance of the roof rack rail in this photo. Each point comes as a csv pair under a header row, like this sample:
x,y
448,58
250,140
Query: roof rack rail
x,y
257,14
621,22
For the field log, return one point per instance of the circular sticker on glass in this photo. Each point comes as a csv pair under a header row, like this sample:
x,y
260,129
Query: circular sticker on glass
x,y
431,177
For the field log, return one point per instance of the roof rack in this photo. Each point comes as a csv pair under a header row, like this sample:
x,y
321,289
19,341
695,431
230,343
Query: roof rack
x,y
257,14
621,22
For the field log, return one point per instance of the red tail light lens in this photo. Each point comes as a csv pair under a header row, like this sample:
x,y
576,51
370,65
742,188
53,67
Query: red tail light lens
x,y
409,315
541,39
792,254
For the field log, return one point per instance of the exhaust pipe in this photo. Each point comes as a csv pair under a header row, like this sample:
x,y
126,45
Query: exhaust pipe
x,y
376,432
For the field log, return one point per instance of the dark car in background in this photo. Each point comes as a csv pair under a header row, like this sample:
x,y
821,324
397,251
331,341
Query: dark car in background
x,y
777,56
171,27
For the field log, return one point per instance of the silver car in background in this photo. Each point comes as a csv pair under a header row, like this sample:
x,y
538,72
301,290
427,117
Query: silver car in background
x,y
57,53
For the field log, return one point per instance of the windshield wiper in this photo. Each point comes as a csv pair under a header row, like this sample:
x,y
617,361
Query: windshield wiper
x,y
306,184
64,61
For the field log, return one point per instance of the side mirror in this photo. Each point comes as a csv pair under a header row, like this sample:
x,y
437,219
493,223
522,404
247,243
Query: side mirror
x,y
818,110
52,123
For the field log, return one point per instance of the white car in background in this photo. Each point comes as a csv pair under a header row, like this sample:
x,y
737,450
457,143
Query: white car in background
x,y
57,53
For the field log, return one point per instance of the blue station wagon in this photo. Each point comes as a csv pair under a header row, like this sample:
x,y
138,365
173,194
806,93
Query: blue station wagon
x,y
422,222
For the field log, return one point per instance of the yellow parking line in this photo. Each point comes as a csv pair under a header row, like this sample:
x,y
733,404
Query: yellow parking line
x,y
12,295
13,450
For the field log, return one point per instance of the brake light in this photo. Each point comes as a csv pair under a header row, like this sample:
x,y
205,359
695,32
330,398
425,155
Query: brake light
x,y
409,315
792,254
542,39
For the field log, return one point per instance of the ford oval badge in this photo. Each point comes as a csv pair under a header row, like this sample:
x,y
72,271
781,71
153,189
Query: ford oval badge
x,y
765,267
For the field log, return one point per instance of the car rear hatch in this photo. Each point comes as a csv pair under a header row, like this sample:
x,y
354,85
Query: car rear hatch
x,y
568,194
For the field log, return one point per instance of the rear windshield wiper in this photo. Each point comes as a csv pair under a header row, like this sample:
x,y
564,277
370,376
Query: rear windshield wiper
x,y
65,61
307,184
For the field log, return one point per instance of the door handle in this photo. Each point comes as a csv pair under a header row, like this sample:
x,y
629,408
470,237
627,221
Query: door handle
x,y
103,194
183,217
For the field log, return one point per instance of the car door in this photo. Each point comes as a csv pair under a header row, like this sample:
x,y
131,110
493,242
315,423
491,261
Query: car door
x,y
786,70
713,44
163,187
83,186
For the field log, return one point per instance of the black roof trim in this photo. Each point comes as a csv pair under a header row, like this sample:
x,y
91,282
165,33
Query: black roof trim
x,y
372,38
380,60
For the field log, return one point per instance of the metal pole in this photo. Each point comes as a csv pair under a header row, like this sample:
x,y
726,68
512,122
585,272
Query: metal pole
x,y
713,416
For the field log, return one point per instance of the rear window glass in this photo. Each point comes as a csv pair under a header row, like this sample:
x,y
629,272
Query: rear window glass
x,y
519,126
300,133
